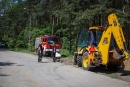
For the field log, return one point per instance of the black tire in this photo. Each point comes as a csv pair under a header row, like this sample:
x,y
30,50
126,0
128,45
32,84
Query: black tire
x,y
75,60
86,65
79,61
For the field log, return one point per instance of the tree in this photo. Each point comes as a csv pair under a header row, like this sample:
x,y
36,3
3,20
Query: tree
x,y
59,17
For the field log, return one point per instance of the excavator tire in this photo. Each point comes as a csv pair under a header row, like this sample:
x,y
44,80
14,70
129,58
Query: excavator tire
x,y
75,58
79,61
86,62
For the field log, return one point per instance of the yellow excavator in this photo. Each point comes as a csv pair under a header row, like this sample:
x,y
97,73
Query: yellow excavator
x,y
102,46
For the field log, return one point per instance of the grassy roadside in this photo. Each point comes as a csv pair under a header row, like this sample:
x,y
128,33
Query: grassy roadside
x,y
22,50
64,53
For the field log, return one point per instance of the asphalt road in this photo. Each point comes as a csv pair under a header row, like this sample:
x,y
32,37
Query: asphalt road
x,y
23,70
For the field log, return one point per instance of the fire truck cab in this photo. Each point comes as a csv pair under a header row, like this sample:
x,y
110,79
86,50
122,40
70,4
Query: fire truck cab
x,y
47,43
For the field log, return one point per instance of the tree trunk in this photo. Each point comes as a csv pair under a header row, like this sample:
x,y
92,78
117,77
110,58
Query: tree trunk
x,y
70,39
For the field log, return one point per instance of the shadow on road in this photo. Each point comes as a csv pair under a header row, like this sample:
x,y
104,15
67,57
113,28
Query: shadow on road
x,y
106,71
125,73
102,70
44,62
6,64
20,65
3,74
3,49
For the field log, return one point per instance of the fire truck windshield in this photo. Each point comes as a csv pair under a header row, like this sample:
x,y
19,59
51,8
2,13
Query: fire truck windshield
x,y
55,40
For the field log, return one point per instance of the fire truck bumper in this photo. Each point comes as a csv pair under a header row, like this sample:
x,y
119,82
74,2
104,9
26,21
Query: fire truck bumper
x,y
50,50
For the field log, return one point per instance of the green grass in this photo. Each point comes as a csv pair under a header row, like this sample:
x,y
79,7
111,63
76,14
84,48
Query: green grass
x,y
63,52
66,53
24,50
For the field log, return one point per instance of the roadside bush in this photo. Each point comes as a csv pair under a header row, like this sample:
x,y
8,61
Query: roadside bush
x,y
23,38
65,53
11,43
65,43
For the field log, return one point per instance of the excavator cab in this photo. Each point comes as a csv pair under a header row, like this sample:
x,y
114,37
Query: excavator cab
x,y
86,38
89,37
95,34
82,40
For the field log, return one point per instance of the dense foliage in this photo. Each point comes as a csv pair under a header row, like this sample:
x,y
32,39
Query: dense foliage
x,y
23,20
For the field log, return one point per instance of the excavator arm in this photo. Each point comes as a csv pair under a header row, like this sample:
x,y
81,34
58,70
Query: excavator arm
x,y
113,31
117,32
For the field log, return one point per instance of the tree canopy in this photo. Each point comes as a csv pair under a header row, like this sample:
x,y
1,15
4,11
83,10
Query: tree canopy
x,y
24,19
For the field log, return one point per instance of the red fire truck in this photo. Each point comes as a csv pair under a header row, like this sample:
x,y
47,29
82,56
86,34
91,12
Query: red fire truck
x,y
47,43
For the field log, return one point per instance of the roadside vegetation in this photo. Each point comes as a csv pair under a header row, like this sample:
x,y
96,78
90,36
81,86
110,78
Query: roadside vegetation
x,y
21,21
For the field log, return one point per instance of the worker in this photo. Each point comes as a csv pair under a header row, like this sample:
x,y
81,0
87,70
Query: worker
x,y
54,52
40,53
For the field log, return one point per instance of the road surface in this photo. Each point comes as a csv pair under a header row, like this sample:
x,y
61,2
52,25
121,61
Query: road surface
x,y
23,70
